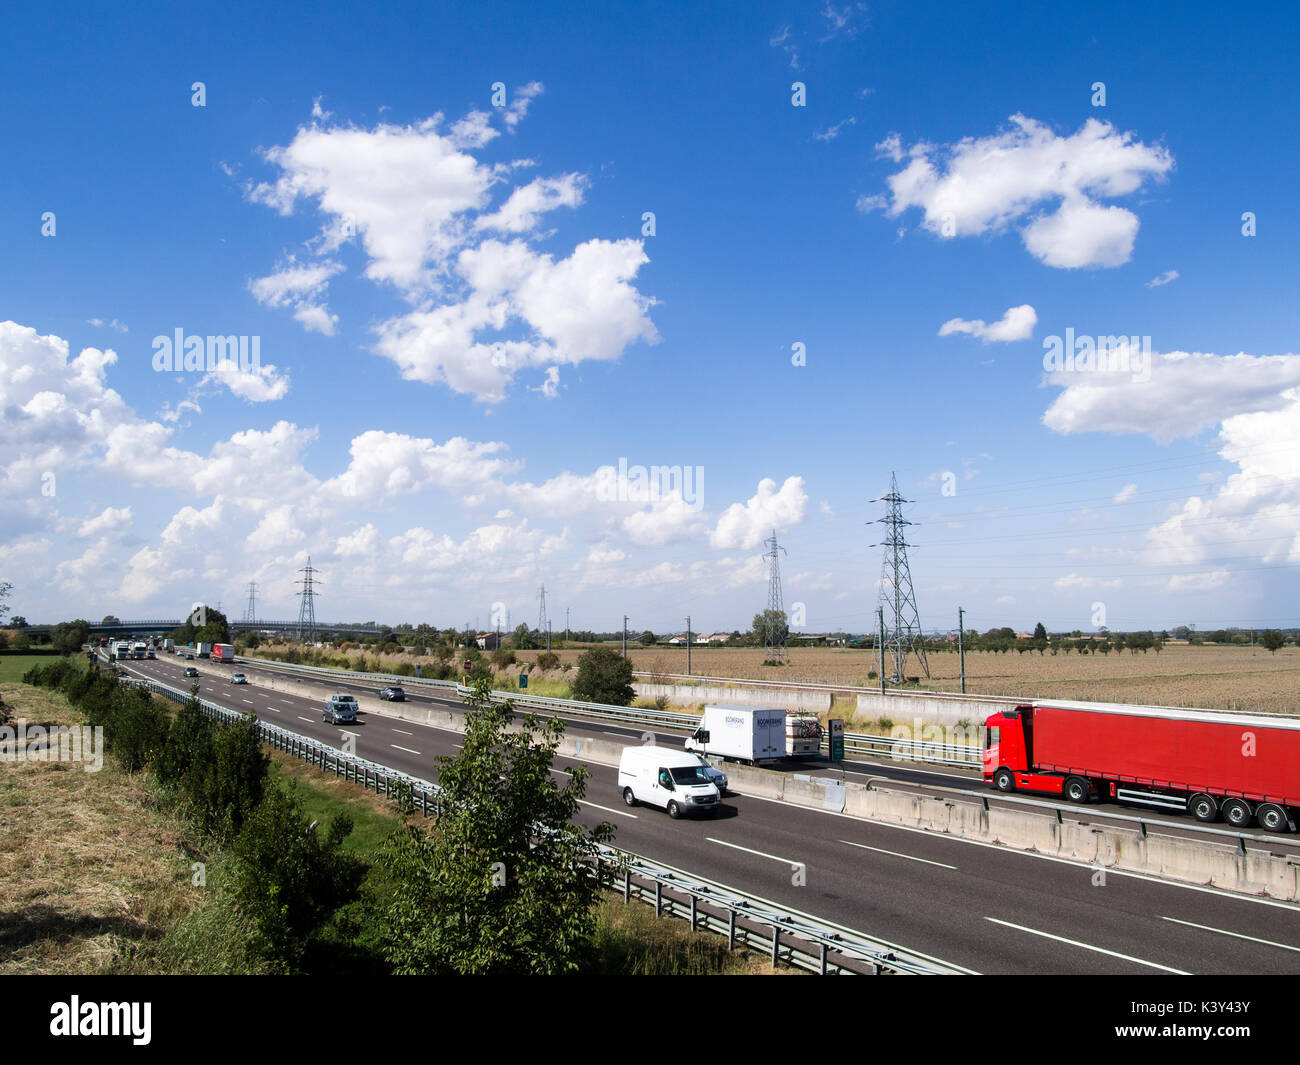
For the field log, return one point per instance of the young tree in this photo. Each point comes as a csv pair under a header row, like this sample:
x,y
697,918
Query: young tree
x,y
1272,639
504,883
604,676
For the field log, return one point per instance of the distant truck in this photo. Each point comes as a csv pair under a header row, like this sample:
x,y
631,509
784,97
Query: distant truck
x,y
223,652
203,649
139,649
121,650
741,733
803,736
1241,767
169,645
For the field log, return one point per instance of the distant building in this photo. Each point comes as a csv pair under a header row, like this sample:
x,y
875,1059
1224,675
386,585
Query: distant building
x,y
487,641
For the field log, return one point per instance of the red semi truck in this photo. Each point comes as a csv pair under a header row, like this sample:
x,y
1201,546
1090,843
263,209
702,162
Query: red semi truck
x,y
1241,767
223,652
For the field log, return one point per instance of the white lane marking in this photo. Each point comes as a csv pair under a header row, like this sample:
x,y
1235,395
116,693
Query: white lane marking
x,y
301,718
896,854
761,854
1225,932
402,731
406,749
277,711
249,701
1088,946
607,809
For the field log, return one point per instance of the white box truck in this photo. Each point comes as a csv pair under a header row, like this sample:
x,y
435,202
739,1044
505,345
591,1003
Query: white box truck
x,y
742,733
660,776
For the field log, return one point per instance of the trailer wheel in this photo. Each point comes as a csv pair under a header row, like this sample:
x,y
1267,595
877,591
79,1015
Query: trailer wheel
x,y
1237,813
628,797
1273,818
1077,789
1004,780
1204,808
674,811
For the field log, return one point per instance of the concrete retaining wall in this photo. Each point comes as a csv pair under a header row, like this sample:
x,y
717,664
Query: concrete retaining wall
x,y
691,694
903,709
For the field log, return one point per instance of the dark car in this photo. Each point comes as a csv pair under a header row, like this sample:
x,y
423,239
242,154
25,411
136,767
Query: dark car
x,y
189,658
393,694
191,672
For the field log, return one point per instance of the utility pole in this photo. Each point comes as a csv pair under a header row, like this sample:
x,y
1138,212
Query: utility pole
x,y
961,648
624,635
250,611
548,635
307,604
774,641
905,636
688,645
566,624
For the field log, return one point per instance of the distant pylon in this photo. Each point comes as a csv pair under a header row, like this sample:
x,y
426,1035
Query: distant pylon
x,y
902,634
541,609
307,604
774,632
250,611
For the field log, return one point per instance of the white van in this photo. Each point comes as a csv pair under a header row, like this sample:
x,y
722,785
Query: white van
x,y
660,776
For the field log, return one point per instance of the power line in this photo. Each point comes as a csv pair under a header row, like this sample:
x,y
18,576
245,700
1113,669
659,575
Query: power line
x,y
775,630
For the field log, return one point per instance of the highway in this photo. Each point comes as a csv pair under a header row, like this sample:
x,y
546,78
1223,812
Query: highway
x,y
985,908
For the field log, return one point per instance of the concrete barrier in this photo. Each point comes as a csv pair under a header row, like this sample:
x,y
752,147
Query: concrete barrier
x,y
903,709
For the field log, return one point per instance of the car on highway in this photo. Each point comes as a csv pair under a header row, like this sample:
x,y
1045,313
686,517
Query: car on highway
x,y
189,658
238,678
714,774
190,671
393,694
340,708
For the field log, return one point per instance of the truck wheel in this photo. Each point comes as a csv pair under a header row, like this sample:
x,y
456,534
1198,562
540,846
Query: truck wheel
x,y
1237,813
628,797
1273,818
1077,789
674,811
1204,808
1004,780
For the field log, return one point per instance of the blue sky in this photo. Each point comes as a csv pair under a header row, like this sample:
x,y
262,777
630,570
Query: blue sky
x,y
948,166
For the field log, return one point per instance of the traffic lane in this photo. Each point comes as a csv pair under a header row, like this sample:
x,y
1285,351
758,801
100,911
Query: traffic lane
x,y
1192,930
953,893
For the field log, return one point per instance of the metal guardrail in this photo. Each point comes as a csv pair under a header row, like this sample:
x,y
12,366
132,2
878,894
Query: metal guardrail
x,y
784,934
898,748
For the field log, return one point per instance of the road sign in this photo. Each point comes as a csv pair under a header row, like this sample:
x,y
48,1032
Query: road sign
x,y
836,725
523,681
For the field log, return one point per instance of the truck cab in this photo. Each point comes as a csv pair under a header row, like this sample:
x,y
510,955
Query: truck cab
x,y
1009,753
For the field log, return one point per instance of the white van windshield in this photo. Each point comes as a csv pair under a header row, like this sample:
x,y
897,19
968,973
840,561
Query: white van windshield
x,y
689,774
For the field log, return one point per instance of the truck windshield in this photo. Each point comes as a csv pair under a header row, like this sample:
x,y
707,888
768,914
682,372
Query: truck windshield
x,y
689,774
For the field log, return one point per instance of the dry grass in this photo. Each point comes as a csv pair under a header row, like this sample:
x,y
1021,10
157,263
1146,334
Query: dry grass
x,y
91,870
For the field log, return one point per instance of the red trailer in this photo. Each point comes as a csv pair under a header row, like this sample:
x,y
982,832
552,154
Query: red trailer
x,y
1243,767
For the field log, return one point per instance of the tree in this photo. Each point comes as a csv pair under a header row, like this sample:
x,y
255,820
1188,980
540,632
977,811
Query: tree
x,y
111,619
5,589
522,638
68,636
771,622
288,879
17,621
647,638
504,883
1272,639
1040,632
604,676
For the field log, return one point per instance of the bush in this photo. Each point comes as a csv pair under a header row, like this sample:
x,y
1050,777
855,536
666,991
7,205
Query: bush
x,y
503,657
604,676
547,660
